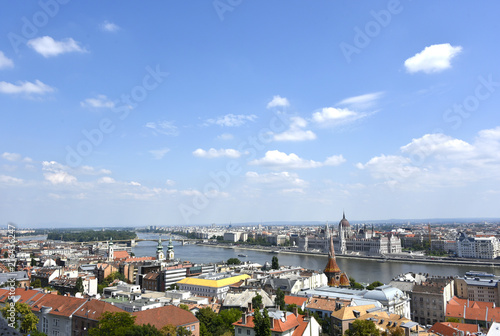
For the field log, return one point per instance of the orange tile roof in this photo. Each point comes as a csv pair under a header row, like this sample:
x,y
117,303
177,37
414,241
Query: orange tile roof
x,y
132,259
121,255
472,310
450,329
299,331
26,295
297,300
94,309
61,305
291,322
160,317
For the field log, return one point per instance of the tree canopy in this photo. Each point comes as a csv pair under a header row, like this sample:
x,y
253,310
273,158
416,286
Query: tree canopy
x,y
275,263
212,324
23,319
374,285
262,323
91,235
233,261
280,299
362,328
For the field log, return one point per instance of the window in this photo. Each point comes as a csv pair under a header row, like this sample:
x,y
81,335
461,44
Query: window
x,y
239,330
192,328
248,331
45,325
56,322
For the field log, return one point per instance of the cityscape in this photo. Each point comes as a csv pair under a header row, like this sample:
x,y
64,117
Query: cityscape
x,y
249,168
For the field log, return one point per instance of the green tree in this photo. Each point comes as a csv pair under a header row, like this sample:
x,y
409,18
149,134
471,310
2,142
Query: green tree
x,y
24,319
79,285
257,301
262,324
452,319
143,330
354,284
279,300
33,262
275,263
113,324
373,285
6,254
37,283
362,328
169,330
182,331
174,286
184,306
233,261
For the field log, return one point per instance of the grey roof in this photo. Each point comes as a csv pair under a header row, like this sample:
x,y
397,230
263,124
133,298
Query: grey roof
x,y
242,299
18,275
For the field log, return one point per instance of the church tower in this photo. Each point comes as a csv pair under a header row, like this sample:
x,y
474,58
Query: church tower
x,y
336,278
160,255
111,250
170,250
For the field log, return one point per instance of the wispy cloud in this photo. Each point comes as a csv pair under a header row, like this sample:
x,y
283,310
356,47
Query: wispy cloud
x,y
163,127
5,62
278,101
100,101
434,58
231,120
361,102
25,87
109,27
48,47
279,160
158,154
213,153
277,180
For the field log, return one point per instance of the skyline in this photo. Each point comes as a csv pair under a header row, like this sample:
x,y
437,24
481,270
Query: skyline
x,y
179,113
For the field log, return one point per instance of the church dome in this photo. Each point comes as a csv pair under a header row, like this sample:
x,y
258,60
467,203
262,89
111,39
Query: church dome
x,y
344,222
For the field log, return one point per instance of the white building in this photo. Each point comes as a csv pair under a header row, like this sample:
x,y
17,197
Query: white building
x,y
477,247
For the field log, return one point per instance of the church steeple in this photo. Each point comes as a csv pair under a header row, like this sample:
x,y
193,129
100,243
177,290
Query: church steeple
x,y
170,250
160,255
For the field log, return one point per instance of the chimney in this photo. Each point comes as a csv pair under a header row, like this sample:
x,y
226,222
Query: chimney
x,y
244,318
272,323
296,311
249,306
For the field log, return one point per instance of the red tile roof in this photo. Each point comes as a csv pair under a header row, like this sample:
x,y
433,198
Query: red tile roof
x,y
61,305
139,259
160,317
291,322
94,309
298,300
472,310
450,329
26,295
121,254
299,331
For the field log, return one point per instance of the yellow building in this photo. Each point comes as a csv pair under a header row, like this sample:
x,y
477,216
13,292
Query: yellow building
x,y
211,285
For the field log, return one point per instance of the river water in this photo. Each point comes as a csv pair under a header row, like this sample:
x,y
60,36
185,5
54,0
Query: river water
x,y
365,271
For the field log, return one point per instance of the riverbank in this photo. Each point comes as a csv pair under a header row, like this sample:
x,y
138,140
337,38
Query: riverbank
x,y
471,262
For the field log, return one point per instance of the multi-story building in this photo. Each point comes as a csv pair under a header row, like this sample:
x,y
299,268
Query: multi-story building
x,y
477,247
211,285
478,289
428,300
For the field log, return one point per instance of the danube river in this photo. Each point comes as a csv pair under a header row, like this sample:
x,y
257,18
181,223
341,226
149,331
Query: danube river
x,y
365,271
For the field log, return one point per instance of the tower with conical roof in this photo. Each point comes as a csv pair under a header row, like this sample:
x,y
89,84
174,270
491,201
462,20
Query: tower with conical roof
x,y
160,255
170,250
332,270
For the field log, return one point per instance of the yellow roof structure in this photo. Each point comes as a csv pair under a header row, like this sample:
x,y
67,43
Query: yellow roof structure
x,y
347,313
213,283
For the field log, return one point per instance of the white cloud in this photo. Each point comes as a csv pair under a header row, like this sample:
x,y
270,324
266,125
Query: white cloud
x,y
47,46
136,184
25,87
101,101
163,127
158,154
278,101
106,180
109,27
295,132
231,120
5,62
216,153
170,183
12,156
280,179
4,179
438,160
225,136
434,58
61,177
277,159
363,101
328,115
88,170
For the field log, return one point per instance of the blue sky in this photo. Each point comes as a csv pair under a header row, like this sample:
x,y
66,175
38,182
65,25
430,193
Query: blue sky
x,y
160,113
